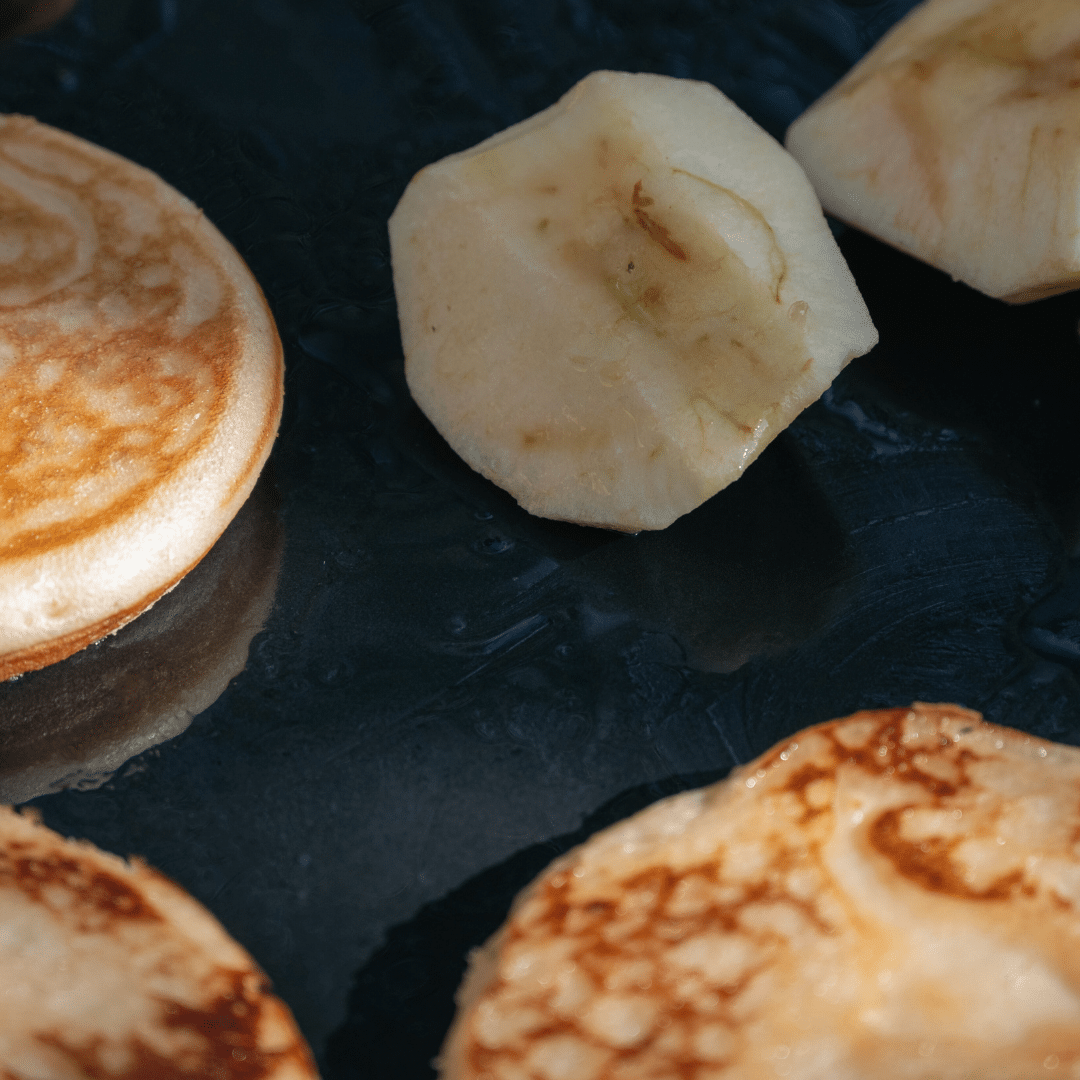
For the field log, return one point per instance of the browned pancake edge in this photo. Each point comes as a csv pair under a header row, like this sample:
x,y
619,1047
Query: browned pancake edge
x,y
243,370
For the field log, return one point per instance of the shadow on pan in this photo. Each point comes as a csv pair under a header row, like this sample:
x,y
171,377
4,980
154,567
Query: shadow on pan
x,y
402,999
1006,376
752,571
18,17
73,724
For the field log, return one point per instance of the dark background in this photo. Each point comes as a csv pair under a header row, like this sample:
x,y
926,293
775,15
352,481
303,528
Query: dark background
x,y
449,692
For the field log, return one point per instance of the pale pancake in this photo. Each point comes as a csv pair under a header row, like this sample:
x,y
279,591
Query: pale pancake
x,y
140,385
108,969
893,896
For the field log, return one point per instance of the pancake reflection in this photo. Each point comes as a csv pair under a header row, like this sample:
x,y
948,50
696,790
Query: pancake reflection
x,y
75,723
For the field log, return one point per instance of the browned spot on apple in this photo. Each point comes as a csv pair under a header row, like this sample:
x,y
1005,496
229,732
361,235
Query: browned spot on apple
x,y
652,296
655,230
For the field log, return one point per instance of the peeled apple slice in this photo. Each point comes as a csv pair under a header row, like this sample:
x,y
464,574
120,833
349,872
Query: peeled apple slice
x,y
957,139
611,308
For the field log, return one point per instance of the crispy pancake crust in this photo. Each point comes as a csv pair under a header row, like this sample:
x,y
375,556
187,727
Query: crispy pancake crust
x,y
141,385
892,896
109,970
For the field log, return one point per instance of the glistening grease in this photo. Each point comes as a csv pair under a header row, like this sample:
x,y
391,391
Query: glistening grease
x,y
890,896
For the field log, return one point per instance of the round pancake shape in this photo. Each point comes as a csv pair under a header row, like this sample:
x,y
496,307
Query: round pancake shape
x,y
891,896
108,969
141,385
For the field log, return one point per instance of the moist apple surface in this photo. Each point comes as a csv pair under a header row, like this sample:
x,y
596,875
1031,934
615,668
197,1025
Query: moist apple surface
x,y
612,308
956,139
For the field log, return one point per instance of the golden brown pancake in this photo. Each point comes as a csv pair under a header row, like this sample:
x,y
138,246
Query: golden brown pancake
x,y
108,969
892,896
140,385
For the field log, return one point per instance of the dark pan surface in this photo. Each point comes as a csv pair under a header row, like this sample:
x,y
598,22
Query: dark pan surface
x,y
448,692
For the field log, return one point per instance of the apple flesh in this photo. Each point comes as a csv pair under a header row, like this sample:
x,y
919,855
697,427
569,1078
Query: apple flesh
x,y
957,140
612,307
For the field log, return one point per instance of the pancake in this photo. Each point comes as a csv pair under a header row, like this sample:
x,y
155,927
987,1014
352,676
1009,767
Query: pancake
x,y
892,896
108,969
141,386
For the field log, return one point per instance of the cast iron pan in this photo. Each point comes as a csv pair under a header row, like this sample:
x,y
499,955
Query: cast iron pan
x,y
447,692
